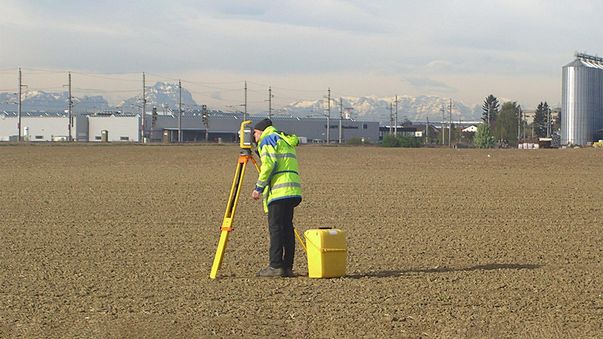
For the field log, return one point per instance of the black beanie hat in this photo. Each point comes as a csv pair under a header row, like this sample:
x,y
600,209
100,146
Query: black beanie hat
x,y
263,124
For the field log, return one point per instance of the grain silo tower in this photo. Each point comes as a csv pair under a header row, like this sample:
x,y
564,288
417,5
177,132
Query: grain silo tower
x,y
582,100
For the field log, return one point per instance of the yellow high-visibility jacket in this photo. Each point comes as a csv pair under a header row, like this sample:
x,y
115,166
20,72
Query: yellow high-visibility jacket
x,y
279,173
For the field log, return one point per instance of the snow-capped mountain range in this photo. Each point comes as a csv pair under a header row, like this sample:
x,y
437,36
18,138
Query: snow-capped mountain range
x,y
164,96
378,108
40,101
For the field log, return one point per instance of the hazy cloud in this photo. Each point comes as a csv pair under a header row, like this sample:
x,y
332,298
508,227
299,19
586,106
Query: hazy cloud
x,y
216,95
394,45
429,85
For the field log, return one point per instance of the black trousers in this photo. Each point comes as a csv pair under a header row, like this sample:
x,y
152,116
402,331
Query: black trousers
x,y
282,236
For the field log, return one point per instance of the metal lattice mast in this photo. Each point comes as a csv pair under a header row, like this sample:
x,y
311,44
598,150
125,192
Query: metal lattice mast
x,y
70,108
179,111
329,116
340,120
450,124
19,106
144,107
245,104
396,116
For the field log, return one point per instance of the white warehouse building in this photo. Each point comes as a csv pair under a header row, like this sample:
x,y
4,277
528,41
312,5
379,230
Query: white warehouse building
x,y
114,127
45,127
117,128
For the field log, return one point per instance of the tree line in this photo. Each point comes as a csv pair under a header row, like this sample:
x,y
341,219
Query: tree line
x,y
506,124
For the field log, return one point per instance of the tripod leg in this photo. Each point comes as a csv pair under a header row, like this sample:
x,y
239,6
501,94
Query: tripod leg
x,y
231,206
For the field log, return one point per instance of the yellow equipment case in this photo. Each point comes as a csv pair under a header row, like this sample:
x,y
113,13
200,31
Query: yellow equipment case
x,y
327,253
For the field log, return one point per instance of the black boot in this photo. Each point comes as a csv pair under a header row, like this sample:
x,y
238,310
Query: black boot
x,y
270,272
288,273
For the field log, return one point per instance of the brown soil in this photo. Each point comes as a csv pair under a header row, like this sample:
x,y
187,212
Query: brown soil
x,y
118,241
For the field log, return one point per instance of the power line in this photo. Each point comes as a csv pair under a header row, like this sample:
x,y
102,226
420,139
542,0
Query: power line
x,y
43,70
104,90
104,77
299,90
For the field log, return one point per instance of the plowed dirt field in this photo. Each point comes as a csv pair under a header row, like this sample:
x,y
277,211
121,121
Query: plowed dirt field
x,y
118,241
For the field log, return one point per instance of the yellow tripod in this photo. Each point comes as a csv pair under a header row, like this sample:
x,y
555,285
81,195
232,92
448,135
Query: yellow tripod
x,y
244,157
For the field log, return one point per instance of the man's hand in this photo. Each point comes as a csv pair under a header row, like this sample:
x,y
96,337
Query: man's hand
x,y
255,195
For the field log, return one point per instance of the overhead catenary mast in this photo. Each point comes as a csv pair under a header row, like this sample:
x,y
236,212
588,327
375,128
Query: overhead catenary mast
x,y
245,104
548,123
391,118
443,110
144,108
19,108
427,130
70,108
450,123
518,123
329,116
340,118
179,111
396,117
270,102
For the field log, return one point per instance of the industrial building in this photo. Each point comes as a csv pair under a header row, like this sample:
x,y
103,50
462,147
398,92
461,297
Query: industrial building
x,y
36,127
44,127
582,101
115,127
225,127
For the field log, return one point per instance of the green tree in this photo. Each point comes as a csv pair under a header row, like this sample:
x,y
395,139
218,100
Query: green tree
x,y
405,141
483,138
490,108
506,124
389,140
355,141
540,119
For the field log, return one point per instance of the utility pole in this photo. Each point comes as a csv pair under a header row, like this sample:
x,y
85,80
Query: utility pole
x,y
179,111
442,125
450,123
245,104
144,107
518,124
524,123
396,117
340,118
427,130
460,128
70,108
270,102
329,116
205,118
548,123
391,118
19,104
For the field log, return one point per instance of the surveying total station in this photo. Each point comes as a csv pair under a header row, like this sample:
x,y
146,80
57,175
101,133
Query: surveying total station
x,y
327,249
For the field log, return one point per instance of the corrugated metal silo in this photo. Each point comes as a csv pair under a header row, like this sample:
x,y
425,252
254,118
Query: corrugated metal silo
x,y
582,100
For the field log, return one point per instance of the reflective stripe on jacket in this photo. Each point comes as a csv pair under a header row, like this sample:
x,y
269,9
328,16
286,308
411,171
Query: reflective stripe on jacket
x,y
279,173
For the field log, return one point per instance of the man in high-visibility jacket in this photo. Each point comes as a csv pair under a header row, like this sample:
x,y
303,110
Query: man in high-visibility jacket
x,y
280,185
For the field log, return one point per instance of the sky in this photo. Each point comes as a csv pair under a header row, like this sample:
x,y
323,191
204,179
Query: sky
x,y
460,49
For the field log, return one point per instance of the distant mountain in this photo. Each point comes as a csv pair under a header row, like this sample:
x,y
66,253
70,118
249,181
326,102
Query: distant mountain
x,y
40,101
162,95
374,108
